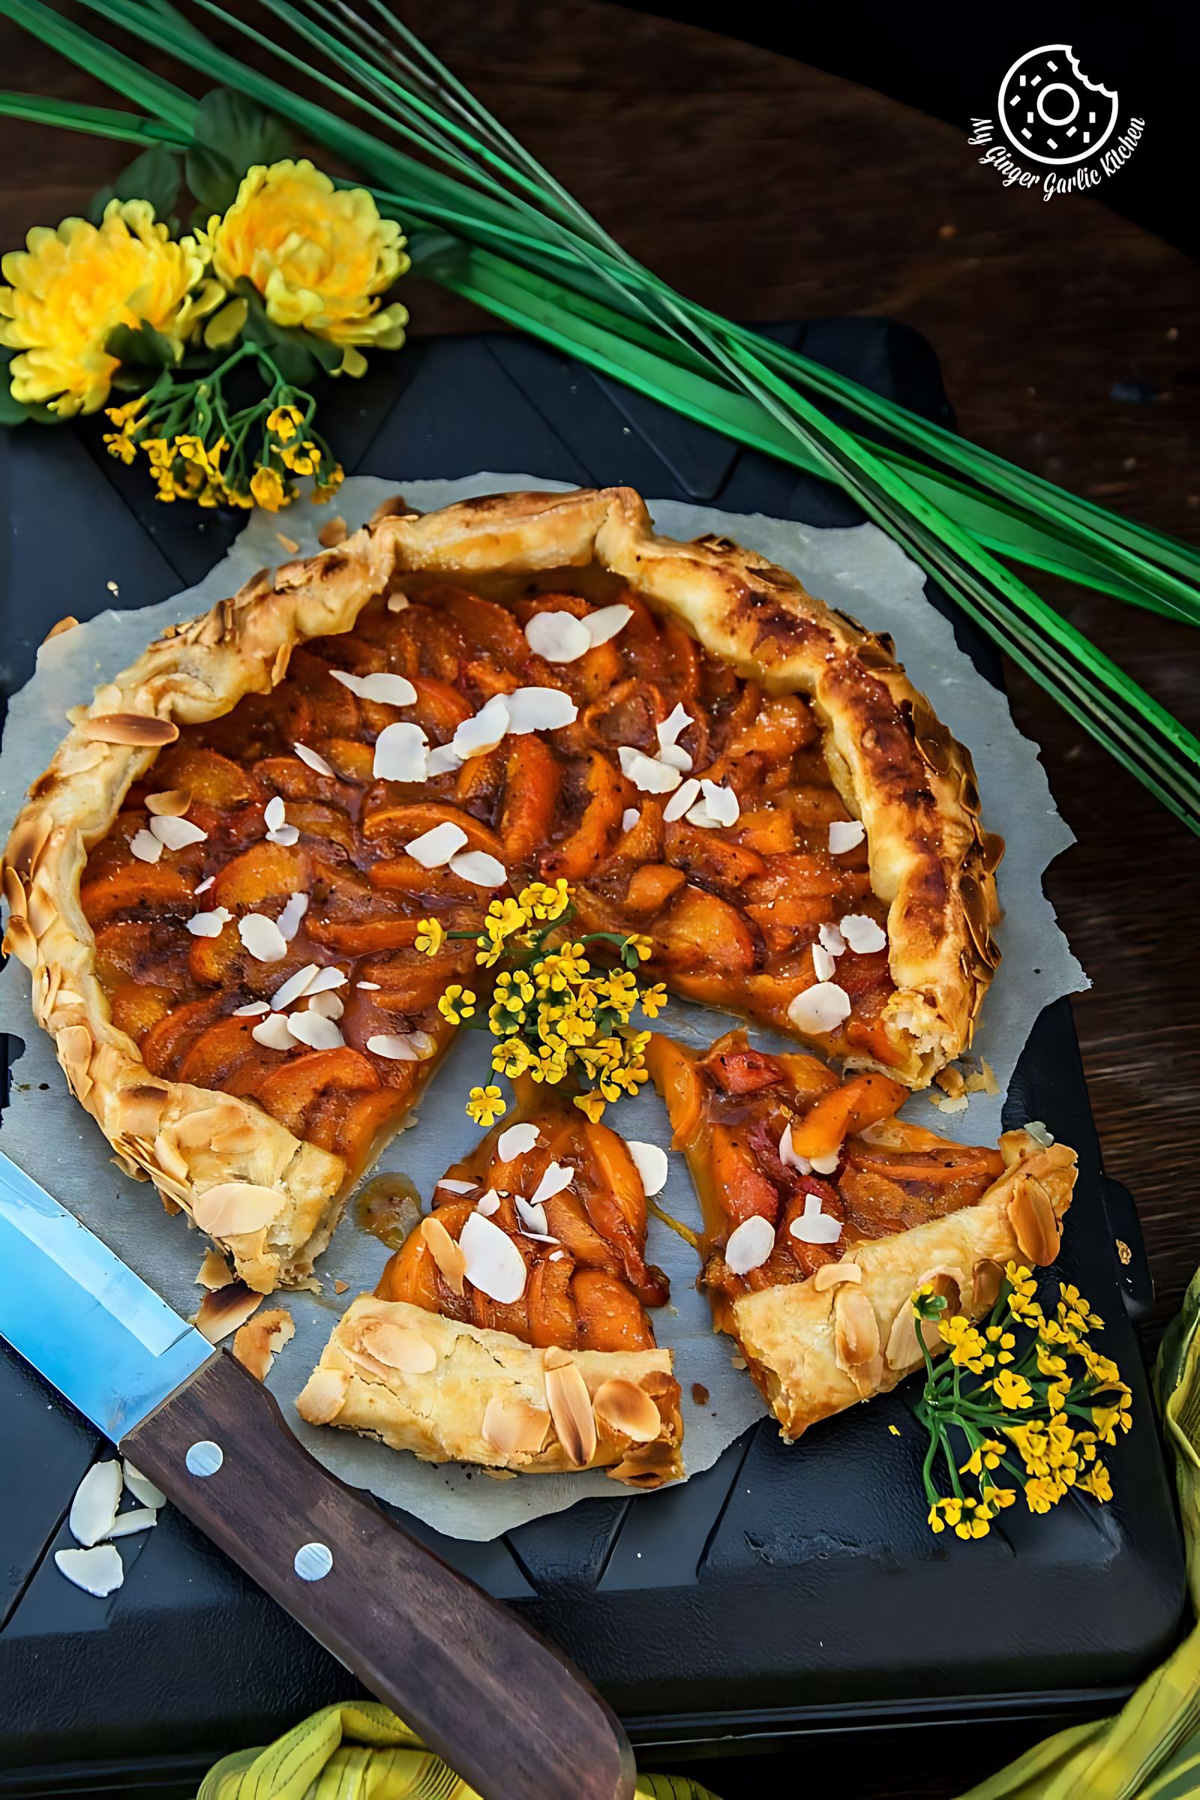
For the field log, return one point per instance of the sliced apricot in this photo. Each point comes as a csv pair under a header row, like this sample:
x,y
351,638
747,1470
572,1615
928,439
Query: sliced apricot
x,y
676,1074
484,623
742,1189
859,1102
610,1317
364,1123
532,779
311,819
781,725
392,827
214,1056
216,961
439,709
264,872
643,842
549,1306
349,758
167,1042
205,775
365,937
405,875
709,858
145,890
768,830
580,853
651,886
141,950
136,1006
700,928
411,1275
292,779
294,1089
736,1068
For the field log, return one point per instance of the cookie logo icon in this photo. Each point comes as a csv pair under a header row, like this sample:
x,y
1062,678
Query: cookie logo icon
x,y
1050,111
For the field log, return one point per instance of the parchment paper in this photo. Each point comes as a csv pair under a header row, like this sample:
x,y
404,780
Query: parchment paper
x,y
48,1134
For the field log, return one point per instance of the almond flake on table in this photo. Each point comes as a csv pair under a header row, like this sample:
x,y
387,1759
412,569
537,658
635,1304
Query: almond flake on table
x,y
606,621
175,834
789,1156
539,709
824,965
384,689
315,762
435,847
557,1177
289,919
274,1033
204,885
138,1518
676,721
209,924
862,934
845,834
454,1186
482,731
821,1008
141,1486
631,817
98,1571
532,1217
516,1139
262,938
145,846
401,753
295,986
480,869
831,939
559,637
646,772
676,757
95,1504
253,1010
650,1161
313,1029
681,801
487,1203
815,1226
444,760
749,1245
494,1265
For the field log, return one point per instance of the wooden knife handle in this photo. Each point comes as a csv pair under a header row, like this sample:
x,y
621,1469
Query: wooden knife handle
x,y
497,1702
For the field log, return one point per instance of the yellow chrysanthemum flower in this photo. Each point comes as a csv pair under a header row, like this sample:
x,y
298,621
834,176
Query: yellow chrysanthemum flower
x,y
320,257
71,288
486,1104
431,935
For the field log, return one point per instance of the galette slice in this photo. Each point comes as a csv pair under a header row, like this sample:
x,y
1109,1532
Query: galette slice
x,y
512,1327
823,1213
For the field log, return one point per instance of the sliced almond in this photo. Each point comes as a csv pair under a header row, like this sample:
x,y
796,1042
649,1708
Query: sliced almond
x,y
333,532
169,805
145,846
232,1208
516,1140
435,847
19,941
138,1518
492,1262
844,835
323,1395
257,1344
647,773
986,1280
262,938
318,1032
681,801
399,1347
30,837
824,965
532,1217
401,753
451,1263
480,869
557,1177
314,762
559,637
482,732
381,688
856,1329
539,709
225,1309
1033,1221
209,924
749,1245
67,623
140,1109
819,1009
650,1161
606,621
99,1571
628,1409
95,1504
274,1033
513,1426
14,893
393,1047
675,723
139,730
214,1271
253,1009
571,1410
295,986
833,1274
274,813
862,934
141,1486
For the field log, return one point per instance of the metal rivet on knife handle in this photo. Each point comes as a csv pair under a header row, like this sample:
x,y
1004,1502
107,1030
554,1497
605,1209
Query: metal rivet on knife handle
x,y
204,1458
313,1562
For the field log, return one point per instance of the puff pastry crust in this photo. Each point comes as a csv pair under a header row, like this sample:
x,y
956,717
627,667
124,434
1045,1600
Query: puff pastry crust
x,y
894,764
488,1398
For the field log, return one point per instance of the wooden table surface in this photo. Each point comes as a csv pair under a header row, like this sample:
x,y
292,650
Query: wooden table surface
x,y
769,190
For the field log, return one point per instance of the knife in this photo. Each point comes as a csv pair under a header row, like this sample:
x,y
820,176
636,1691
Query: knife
x,y
498,1703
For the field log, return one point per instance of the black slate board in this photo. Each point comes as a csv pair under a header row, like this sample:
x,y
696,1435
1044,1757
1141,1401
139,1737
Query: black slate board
x,y
784,1590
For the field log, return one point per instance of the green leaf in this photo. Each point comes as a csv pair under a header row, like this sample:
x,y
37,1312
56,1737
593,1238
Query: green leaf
x,y
140,348
12,412
239,132
213,180
152,176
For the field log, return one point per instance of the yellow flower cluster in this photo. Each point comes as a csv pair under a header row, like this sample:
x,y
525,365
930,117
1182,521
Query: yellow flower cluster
x,y
1039,1414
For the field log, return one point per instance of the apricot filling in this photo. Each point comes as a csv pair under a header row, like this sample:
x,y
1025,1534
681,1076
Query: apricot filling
x,y
793,1167
420,765
540,1232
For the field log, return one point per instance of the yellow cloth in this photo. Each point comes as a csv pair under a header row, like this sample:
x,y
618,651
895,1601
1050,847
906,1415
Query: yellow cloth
x,y
1149,1751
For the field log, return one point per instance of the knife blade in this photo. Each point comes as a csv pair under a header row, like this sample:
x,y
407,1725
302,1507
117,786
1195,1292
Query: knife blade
x,y
503,1707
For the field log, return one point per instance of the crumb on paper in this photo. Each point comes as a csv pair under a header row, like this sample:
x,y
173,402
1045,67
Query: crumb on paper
x,y
700,1393
256,1344
289,544
224,1309
739,1362
340,1286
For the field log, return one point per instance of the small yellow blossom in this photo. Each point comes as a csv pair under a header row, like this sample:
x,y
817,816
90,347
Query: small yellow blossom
x,y
591,1103
967,1346
511,1057
1012,1391
71,288
541,900
285,422
486,1104
641,946
320,256
457,1004
431,935
653,1000
1096,1482
268,489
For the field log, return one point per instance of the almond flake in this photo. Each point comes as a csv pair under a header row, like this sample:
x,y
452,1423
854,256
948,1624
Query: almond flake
x,y
392,1047
825,1165
99,1571
820,1009
323,1395
845,834
444,760
175,802
571,1410
274,814
397,602
138,1518
515,1140
315,762
831,1275
676,757
493,1264
651,1164
383,689
789,1156
681,801
559,637
214,1272
204,885
534,1219
480,869
289,919
626,1408
824,965
262,938
274,1033
95,1504
141,1486
676,721
513,1427
371,987
631,816
295,986
209,924
539,709
317,1032
146,848
832,940
175,833
606,621
815,1226
487,1204
749,1245
862,934
557,1177
482,732
435,847
329,1006
399,1347
454,1186
646,772
401,753
225,1309
722,802
232,1208
446,1253
256,1345
284,834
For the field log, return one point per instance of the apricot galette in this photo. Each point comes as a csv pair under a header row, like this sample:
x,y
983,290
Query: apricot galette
x,y
227,882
